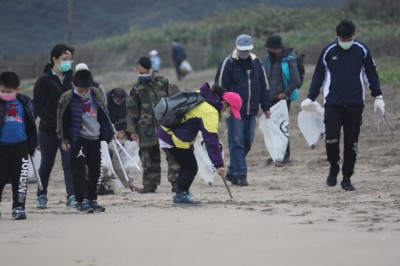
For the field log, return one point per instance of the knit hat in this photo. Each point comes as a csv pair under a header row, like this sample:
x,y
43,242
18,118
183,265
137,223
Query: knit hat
x,y
119,92
234,100
244,42
274,42
145,62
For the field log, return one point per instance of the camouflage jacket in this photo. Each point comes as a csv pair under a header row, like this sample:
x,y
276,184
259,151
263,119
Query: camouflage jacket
x,y
140,108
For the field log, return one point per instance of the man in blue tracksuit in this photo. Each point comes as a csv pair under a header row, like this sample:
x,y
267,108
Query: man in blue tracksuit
x,y
340,73
243,73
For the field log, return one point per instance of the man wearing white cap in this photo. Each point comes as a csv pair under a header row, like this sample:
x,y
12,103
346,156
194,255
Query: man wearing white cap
x,y
242,72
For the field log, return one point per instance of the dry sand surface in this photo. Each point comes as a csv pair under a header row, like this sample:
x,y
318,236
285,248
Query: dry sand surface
x,y
287,216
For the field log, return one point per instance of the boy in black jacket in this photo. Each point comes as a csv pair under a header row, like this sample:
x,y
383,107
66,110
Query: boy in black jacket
x,y
82,122
18,138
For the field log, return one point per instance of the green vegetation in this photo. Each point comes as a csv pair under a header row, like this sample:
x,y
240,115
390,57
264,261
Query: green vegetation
x,y
389,70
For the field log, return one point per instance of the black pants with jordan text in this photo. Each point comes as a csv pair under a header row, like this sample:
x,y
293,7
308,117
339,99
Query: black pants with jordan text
x,y
86,153
14,169
350,118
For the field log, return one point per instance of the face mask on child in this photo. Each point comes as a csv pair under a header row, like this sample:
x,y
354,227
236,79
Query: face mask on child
x,y
8,96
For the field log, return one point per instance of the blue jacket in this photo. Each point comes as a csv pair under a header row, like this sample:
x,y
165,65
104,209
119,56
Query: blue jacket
x,y
252,88
30,118
178,53
69,117
340,73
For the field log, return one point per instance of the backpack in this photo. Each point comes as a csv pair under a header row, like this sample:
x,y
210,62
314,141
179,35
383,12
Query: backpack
x,y
300,67
170,111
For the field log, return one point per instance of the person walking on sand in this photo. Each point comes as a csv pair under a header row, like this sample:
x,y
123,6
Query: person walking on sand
x,y
178,56
204,117
283,76
242,72
82,122
340,72
18,138
142,125
47,91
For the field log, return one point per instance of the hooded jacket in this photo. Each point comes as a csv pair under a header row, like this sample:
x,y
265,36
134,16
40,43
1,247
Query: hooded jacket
x,y
46,94
203,117
252,87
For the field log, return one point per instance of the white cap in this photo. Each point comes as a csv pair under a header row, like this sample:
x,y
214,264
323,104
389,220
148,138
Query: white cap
x,y
153,53
81,66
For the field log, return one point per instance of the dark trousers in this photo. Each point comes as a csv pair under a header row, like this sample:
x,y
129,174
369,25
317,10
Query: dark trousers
x,y
14,169
49,144
86,153
188,167
178,71
350,118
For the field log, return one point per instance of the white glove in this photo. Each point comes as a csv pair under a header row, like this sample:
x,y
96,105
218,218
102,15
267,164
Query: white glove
x,y
307,104
379,104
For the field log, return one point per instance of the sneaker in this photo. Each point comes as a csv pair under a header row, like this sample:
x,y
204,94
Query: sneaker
x,y
18,213
103,190
71,201
84,207
231,178
42,202
96,207
184,199
242,181
285,162
145,190
346,184
334,170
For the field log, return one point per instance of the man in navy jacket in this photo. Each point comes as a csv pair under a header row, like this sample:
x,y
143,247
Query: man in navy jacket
x,y
342,68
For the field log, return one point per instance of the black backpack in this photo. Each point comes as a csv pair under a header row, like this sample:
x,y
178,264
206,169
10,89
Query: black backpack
x,y
300,67
170,111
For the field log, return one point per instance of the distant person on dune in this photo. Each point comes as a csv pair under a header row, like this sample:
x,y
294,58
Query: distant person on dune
x,y
155,60
178,56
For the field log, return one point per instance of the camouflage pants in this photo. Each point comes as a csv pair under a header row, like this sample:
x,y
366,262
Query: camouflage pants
x,y
151,164
173,166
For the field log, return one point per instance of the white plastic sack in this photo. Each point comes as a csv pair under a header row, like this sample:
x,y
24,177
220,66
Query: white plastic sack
x,y
311,124
275,130
106,162
206,169
185,67
36,160
129,154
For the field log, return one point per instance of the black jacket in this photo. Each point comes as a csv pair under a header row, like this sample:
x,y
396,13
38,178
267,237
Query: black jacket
x,y
30,118
46,94
117,112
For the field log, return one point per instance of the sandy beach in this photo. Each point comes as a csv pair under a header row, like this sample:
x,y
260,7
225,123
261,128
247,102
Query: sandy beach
x,y
287,216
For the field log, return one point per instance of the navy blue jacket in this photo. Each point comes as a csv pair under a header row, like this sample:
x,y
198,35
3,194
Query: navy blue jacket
x,y
30,117
340,73
178,53
69,116
252,88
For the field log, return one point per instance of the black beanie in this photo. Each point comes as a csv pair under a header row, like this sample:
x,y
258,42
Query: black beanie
x,y
145,62
120,125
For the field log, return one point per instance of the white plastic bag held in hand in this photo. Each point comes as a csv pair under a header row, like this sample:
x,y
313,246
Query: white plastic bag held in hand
x,y
311,124
206,168
275,130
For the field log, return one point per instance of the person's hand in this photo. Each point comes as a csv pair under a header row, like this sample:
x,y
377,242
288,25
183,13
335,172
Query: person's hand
x,y
282,96
65,147
307,104
221,171
267,114
134,137
379,104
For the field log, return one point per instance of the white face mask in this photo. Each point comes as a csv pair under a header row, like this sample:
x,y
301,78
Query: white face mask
x,y
225,114
81,95
346,45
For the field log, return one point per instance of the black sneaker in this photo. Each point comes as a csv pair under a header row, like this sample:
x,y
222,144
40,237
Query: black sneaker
x,y
346,184
231,178
334,170
242,181
96,207
18,213
103,190
145,190
84,207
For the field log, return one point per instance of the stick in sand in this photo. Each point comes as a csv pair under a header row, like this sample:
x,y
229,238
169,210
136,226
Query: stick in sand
x,y
227,187
40,185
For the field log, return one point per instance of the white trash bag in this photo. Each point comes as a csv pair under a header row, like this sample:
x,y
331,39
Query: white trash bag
x,y
106,162
185,67
311,124
36,160
206,169
276,131
129,154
